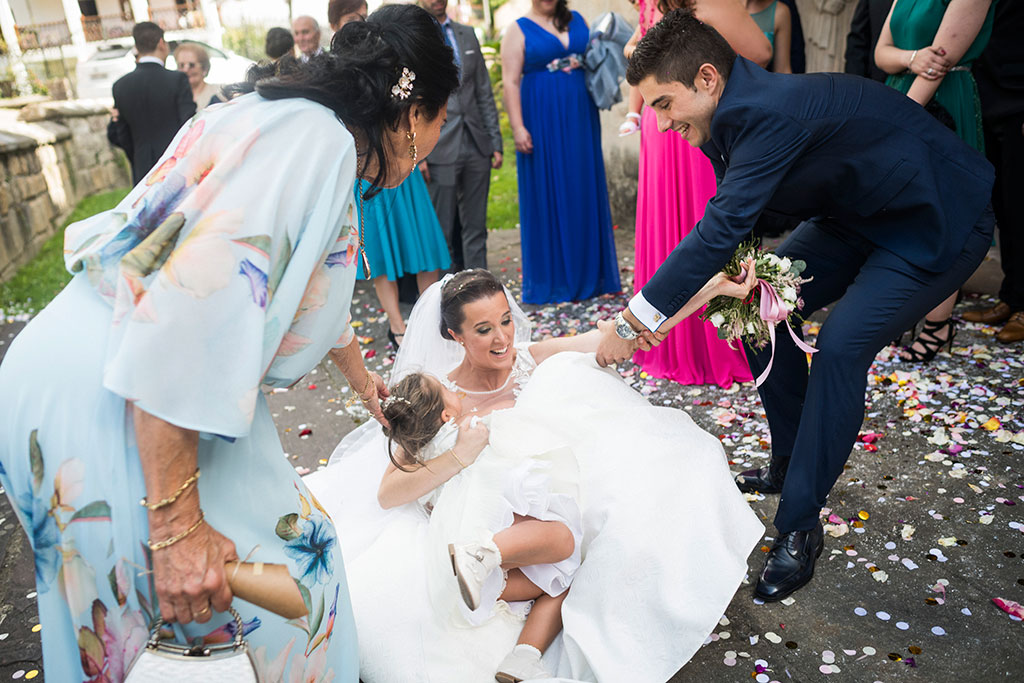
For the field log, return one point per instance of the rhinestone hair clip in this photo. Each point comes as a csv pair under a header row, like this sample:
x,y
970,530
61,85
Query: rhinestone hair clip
x,y
403,88
392,400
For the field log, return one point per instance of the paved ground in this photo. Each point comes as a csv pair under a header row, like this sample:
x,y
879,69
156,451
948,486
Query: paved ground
x,y
927,521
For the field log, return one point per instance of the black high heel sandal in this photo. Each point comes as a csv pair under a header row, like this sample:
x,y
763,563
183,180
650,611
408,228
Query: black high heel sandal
x,y
931,343
394,338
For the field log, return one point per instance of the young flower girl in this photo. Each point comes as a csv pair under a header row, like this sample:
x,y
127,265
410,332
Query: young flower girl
x,y
514,515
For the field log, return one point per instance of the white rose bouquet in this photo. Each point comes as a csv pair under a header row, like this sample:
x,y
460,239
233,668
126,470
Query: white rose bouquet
x,y
774,299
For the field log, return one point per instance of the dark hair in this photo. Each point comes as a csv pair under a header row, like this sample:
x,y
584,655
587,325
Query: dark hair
x,y
465,287
675,48
336,9
354,79
414,416
666,6
147,36
279,42
562,16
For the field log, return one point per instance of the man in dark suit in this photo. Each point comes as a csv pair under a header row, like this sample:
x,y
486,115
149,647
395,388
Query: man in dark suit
x,y
866,26
150,104
458,172
896,216
1000,76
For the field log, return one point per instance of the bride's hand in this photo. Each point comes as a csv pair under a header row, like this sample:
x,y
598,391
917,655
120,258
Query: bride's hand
x,y
723,285
473,437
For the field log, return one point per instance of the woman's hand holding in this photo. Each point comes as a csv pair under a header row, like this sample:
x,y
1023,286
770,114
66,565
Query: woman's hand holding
x,y
189,576
524,141
374,395
929,62
473,437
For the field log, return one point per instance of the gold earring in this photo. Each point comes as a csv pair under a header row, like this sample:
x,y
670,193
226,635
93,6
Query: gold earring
x,y
413,153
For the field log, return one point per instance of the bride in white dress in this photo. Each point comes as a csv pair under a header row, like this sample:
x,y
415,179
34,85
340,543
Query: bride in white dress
x,y
666,534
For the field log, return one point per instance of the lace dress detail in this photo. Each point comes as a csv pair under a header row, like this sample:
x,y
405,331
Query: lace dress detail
x,y
505,395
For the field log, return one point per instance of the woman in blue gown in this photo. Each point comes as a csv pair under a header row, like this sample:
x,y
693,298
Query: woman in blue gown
x,y
230,266
564,217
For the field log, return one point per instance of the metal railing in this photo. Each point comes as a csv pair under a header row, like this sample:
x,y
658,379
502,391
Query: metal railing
x,y
178,18
49,34
106,26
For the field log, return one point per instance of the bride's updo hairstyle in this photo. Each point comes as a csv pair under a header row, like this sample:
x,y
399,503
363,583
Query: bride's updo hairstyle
x,y
463,288
356,77
414,414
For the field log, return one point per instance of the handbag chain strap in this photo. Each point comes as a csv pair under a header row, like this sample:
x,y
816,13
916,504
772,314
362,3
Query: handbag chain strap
x,y
195,650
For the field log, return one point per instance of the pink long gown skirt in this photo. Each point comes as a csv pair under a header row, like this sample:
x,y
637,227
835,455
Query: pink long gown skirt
x,y
676,182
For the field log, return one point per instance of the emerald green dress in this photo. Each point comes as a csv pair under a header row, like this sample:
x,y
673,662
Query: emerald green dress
x,y
914,24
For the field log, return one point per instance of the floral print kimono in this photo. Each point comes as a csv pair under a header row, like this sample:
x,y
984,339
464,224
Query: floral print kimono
x,y
230,266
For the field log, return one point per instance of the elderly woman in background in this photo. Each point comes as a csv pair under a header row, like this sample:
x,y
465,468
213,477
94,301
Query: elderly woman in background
x,y
231,266
194,61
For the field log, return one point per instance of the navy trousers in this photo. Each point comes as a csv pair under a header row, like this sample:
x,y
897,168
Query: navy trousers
x,y
814,416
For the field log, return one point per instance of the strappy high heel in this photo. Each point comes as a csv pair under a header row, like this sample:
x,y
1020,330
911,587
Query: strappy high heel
x,y
931,343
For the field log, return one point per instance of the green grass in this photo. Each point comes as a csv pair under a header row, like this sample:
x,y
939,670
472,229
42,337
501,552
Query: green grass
x,y
38,281
503,200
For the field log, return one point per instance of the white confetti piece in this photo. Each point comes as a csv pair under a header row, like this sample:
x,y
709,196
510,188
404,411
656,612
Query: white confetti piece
x,y
860,611
828,657
902,625
884,616
938,630
773,637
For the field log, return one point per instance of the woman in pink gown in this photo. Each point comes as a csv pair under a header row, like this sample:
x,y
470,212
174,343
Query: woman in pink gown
x,y
676,182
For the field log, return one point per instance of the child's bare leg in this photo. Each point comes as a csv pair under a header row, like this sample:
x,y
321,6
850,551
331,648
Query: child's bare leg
x,y
543,622
530,541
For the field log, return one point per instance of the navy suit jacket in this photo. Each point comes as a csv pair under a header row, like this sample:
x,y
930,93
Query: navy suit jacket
x,y
828,145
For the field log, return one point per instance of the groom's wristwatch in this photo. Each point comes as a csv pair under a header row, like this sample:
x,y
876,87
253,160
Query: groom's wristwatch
x,y
624,329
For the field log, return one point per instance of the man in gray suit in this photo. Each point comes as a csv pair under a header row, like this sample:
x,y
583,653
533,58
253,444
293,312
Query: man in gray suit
x,y
458,172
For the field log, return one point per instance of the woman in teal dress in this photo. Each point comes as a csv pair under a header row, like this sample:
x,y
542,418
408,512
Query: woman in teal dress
x,y
231,265
927,47
403,236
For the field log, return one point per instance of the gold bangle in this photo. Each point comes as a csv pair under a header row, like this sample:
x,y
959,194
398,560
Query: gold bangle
x,y
174,539
359,394
452,451
173,497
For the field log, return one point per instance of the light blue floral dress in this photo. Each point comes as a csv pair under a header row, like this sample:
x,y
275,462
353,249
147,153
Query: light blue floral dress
x,y
230,266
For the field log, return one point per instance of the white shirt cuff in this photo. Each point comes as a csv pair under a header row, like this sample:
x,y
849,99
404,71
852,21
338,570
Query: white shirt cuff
x,y
649,316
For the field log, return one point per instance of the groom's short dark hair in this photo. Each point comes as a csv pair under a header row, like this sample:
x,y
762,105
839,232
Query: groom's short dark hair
x,y
676,47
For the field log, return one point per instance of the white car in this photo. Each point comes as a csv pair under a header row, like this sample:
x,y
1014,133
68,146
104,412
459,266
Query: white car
x,y
97,73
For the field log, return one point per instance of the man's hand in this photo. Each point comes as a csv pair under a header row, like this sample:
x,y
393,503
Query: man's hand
x,y
612,348
496,160
425,170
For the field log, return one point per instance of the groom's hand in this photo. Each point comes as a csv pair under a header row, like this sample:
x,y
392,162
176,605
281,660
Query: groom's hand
x,y
612,348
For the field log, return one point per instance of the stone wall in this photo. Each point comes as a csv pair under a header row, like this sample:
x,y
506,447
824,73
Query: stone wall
x,y
51,155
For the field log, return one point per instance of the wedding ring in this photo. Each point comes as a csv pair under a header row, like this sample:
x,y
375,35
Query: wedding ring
x,y
931,72
202,611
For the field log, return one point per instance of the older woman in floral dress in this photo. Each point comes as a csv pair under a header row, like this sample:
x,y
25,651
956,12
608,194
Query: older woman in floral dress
x,y
230,266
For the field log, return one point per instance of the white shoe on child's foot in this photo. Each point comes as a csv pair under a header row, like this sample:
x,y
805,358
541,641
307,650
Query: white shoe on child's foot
x,y
472,563
522,664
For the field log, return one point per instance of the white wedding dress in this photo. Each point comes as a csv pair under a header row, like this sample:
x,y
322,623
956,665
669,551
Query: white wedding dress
x,y
666,534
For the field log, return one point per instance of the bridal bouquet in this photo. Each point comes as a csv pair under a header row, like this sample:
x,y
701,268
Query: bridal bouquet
x,y
774,299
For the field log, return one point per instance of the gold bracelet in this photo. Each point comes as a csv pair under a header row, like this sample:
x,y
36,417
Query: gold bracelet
x,y
174,539
359,394
452,451
174,496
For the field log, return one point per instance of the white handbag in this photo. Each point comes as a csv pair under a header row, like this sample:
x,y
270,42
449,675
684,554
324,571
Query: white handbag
x,y
169,662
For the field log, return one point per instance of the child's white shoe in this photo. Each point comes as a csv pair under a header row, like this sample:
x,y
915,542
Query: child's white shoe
x,y
522,664
472,563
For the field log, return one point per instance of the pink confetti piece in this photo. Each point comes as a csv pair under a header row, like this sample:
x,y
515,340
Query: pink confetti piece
x,y
1014,609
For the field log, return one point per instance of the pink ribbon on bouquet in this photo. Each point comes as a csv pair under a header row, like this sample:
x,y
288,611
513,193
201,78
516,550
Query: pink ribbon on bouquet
x,y
774,311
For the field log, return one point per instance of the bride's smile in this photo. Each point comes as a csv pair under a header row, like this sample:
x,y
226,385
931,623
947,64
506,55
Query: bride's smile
x,y
486,333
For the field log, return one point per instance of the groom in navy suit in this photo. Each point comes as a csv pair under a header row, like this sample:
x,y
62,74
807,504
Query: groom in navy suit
x,y
896,216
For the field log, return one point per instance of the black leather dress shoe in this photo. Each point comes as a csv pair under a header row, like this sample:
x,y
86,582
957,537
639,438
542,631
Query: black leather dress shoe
x,y
790,563
762,480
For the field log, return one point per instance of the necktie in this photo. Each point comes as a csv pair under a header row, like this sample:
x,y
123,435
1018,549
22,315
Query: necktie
x,y
449,37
